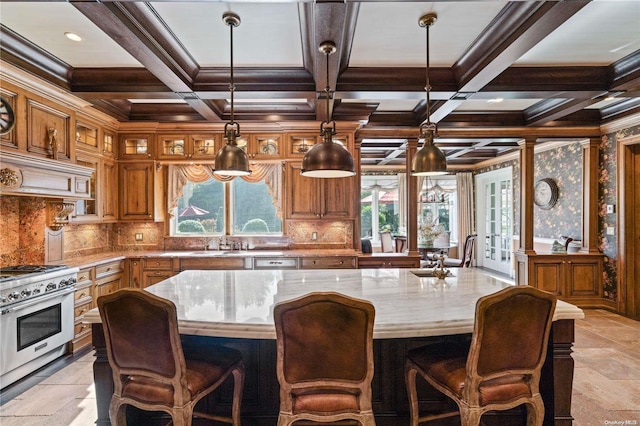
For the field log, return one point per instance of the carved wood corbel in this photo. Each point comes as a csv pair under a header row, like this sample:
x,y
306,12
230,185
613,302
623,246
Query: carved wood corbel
x,y
58,214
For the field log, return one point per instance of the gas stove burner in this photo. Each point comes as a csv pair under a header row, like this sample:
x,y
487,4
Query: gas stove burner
x,y
27,269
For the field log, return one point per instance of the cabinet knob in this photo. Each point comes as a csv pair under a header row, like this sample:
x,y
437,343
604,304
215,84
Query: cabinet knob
x,y
341,262
157,263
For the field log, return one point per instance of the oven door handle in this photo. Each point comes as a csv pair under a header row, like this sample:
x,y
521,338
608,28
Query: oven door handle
x,y
39,299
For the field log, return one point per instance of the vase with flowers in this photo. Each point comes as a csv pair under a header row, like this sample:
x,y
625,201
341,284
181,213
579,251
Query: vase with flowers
x,y
428,231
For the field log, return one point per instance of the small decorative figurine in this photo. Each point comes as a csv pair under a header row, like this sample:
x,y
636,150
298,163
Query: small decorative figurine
x,y
441,273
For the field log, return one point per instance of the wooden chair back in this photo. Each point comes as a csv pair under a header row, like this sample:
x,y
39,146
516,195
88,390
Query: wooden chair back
x,y
325,358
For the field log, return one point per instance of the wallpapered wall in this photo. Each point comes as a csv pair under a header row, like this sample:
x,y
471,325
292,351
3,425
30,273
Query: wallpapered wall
x,y
564,164
608,194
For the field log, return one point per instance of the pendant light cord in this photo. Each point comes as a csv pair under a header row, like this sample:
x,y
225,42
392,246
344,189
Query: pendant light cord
x,y
427,21
232,86
328,48
427,86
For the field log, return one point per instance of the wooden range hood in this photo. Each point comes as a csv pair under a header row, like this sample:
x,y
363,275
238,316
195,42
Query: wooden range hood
x,y
22,174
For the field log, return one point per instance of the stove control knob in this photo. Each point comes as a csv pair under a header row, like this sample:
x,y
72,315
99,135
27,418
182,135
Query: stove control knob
x,y
51,286
63,283
13,296
25,293
72,280
36,291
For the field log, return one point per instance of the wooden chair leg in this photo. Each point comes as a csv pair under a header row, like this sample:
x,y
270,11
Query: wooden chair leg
x,y
410,380
535,411
117,413
238,383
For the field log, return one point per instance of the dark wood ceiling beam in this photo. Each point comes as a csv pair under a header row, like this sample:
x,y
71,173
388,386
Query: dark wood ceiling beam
x,y
291,81
129,31
625,73
620,110
118,80
332,21
516,29
24,54
139,30
555,109
573,79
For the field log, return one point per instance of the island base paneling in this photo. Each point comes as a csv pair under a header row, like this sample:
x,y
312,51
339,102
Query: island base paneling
x,y
390,404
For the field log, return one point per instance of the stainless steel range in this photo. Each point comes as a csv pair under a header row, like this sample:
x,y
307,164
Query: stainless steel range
x,y
36,317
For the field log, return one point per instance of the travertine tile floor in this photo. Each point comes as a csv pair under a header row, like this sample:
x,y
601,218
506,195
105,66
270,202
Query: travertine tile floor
x,y
606,389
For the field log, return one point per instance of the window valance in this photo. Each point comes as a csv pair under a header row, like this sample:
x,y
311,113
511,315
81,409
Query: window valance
x,y
180,174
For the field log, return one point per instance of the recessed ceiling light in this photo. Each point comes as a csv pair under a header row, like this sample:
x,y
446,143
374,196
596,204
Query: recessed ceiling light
x,y
495,100
72,36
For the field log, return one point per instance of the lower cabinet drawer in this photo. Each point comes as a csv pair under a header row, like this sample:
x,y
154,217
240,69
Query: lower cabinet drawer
x,y
334,262
365,262
157,263
109,268
213,263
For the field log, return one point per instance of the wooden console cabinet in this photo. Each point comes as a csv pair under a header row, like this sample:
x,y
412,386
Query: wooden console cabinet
x,y
575,278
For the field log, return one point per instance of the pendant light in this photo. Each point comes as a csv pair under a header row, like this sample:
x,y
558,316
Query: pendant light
x,y
231,160
328,159
429,160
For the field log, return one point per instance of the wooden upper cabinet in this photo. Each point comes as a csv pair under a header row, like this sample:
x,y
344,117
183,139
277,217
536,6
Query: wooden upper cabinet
x,y
313,198
48,131
187,147
109,143
137,190
298,144
262,146
86,136
107,189
135,146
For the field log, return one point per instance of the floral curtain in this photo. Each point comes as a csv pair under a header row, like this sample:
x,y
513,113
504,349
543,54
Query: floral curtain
x,y
180,174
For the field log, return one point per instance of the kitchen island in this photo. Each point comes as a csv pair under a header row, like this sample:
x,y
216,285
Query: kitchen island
x,y
235,309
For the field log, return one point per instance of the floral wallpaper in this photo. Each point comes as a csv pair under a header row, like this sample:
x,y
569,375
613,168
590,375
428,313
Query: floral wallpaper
x,y
608,194
564,166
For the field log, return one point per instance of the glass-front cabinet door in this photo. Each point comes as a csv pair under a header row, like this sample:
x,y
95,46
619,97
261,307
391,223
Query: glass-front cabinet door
x,y
135,146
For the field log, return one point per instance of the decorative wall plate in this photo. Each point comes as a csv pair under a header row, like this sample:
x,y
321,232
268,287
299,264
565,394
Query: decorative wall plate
x,y
268,148
7,117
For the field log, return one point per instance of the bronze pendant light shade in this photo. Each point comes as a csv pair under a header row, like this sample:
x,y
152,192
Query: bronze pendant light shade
x,y
231,160
429,160
328,159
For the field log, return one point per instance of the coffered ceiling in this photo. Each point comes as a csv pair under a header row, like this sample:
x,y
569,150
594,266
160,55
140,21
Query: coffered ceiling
x,y
500,70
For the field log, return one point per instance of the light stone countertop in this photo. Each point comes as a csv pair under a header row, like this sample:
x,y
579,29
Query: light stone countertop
x,y
240,303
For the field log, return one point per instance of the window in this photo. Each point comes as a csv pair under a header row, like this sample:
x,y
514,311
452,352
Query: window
x,y
381,204
235,207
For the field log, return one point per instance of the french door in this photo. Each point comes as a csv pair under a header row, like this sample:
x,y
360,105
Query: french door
x,y
494,201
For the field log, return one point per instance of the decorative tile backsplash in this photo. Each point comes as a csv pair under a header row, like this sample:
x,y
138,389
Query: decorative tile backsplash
x,y
22,225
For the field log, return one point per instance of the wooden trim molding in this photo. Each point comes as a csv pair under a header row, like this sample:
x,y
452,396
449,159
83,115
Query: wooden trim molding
x,y
626,249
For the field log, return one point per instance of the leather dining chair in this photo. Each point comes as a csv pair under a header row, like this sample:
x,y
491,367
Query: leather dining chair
x,y
152,369
324,358
501,367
